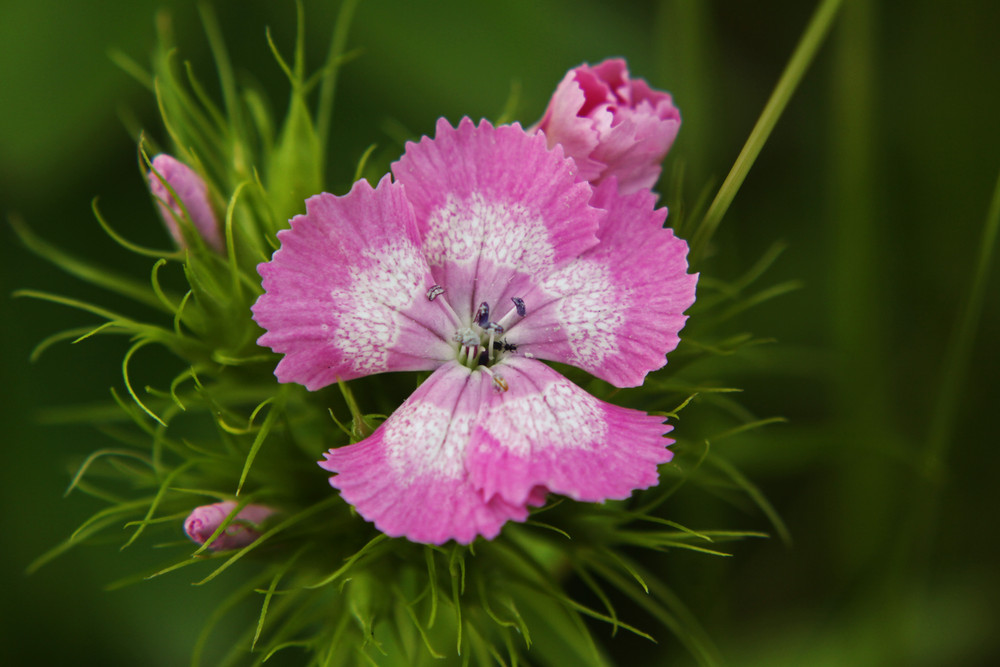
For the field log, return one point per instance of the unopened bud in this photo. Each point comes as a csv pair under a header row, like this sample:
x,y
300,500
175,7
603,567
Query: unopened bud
x,y
241,531
192,192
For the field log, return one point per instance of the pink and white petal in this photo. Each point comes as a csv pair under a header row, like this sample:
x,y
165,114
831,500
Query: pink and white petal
x,y
494,206
544,432
617,311
409,476
346,294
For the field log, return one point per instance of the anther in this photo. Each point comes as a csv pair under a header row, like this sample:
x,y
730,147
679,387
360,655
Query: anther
x,y
483,314
494,329
484,357
434,292
498,382
519,305
466,338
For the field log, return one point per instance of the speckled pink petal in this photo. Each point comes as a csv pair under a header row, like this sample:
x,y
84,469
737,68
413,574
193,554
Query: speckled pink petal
x,y
494,208
545,432
617,310
346,294
409,477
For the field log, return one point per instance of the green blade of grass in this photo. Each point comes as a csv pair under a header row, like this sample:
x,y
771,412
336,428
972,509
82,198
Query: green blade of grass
x,y
816,31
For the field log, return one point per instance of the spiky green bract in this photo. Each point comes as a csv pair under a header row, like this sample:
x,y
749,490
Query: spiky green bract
x,y
214,425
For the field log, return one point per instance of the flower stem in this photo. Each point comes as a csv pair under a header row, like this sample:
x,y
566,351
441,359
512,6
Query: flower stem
x,y
803,56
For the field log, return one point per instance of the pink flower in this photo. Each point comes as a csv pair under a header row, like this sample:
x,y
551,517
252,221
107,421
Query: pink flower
x,y
193,194
485,255
611,125
240,532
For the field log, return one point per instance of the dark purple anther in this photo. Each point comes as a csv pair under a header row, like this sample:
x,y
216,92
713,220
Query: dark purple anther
x,y
434,292
483,314
519,305
494,329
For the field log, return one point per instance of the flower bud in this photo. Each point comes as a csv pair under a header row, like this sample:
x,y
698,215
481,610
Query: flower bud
x,y
190,188
611,125
241,531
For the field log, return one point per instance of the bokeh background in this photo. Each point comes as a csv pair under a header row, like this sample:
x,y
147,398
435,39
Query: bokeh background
x,y
878,177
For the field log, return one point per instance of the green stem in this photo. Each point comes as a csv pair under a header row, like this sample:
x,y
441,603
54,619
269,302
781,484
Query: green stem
x,y
324,112
803,56
959,350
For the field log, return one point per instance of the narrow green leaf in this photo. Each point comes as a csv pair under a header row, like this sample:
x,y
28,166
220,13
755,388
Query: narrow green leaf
x,y
95,456
812,38
160,492
84,270
128,385
284,525
327,91
756,495
128,245
265,430
367,549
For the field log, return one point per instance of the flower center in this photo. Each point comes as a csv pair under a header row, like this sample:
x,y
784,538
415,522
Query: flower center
x,y
481,344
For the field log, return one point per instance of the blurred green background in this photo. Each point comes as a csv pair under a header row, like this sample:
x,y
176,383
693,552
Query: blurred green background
x,y
879,177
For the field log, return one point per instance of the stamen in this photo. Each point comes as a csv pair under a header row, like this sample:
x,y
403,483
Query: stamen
x,y
494,330
483,314
471,353
498,381
520,310
433,293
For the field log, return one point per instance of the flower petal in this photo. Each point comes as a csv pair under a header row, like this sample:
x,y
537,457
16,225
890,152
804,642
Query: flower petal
x,y
636,143
617,310
566,120
346,294
494,208
409,476
544,431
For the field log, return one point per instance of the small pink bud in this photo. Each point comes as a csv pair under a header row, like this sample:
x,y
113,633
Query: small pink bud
x,y
193,193
611,125
241,531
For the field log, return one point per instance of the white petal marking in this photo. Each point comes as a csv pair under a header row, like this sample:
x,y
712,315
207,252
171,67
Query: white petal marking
x,y
561,416
367,310
423,439
504,233
589,310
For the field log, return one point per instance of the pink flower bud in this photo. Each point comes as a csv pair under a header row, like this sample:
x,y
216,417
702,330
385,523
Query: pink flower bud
x,y
240,532
192,192
611,125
